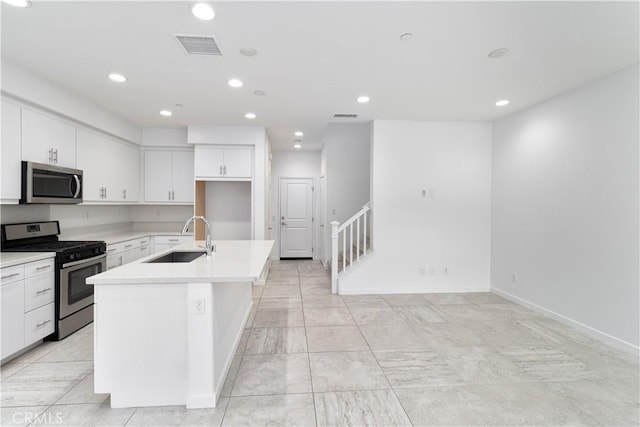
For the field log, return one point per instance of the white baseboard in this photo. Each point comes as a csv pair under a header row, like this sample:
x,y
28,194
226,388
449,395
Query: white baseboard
x,y
581,327
412,290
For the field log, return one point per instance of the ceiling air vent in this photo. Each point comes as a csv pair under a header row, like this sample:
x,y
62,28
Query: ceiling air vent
x,y
199,45
345,116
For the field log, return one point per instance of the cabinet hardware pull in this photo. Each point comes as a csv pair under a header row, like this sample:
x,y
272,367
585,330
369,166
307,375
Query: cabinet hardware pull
x,y
111,250
174,240
220,169
225,170
124,194
173,195
39,325
50,155
127,246
44,267
56,155
169,194
10,275
42,291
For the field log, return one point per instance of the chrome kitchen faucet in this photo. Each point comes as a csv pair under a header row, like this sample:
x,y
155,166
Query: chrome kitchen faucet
x,y
207,245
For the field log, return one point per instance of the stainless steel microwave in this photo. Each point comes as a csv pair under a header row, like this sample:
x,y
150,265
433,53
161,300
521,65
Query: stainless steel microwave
x,y
43,183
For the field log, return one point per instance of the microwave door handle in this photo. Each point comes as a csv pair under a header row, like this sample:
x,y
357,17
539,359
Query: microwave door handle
x,y
75,196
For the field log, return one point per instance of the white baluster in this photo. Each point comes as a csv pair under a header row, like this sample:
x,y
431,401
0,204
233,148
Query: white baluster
x,y
358,239
334,256
344,250
350,244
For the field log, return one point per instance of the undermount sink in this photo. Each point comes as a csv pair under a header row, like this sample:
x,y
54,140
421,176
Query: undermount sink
x,y
177,256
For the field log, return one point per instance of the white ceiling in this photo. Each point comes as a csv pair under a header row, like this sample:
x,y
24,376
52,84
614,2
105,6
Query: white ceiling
x,y
315,58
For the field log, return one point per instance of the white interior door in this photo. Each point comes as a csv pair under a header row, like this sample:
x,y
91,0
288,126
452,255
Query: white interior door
x,y
296,218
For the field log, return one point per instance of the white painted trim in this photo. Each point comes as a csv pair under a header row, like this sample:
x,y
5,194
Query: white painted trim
x,y
581,327
412,290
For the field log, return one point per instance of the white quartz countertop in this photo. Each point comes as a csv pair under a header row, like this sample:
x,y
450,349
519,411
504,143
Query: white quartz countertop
x,y
233,261
9,259
111,237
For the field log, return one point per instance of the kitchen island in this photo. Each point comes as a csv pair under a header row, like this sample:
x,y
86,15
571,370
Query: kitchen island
x,y
166,333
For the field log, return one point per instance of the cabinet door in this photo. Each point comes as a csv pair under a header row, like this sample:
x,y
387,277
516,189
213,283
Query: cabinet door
x,y
36,137
157,176
39,323
238,162
183,183
12,318
38,291
209,162
11,124
127,186
95,160
63,142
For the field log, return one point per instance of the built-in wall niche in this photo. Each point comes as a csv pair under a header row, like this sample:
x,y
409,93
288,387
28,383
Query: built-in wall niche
x,y
227,207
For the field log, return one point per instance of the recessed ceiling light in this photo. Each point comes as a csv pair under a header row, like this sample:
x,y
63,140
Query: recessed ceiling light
x,y
259,93
235,83
203,11
117,77
248,51
166,113
406,36
298,133
502,102
250,115
297,146
498,53
18,3
363,99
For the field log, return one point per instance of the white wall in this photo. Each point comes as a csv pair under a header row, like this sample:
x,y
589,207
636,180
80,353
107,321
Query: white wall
x,y
27,86
88,219
165,137
228,209
565,206
345,164
292,164
451,161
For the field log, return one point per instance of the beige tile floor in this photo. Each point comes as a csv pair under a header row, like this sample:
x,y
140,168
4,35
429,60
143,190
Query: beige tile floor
x,y
311,358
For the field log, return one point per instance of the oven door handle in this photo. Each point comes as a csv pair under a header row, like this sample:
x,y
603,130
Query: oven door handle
x,y
83,261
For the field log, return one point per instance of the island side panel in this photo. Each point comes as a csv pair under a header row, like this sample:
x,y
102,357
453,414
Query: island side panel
x,y
232,307
141,344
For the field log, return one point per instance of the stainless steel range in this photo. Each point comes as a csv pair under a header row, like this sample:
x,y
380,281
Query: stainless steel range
x,y
75,261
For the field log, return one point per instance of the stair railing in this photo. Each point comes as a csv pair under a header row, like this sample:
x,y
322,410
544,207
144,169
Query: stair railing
x,y
344,233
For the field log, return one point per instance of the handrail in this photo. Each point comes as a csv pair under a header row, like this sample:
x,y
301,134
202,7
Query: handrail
x,y
361,234
362,211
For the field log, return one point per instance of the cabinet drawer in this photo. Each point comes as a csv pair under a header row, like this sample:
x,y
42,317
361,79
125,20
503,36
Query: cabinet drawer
x,y
39,323
115,248
39,267
12,274
172,240
38,291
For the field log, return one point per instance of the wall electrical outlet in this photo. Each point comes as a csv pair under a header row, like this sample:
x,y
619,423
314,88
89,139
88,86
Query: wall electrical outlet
x,y
446,270
421,271
200,306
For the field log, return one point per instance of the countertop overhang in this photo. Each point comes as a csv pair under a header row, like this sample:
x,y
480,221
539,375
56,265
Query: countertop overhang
x,y
233,261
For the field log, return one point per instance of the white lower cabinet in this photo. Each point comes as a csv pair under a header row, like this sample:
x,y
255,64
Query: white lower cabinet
x,y
122,253
28,309
12,317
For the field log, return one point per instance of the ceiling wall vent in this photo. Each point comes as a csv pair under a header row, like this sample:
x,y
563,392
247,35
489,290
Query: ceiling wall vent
x,y
198,45
345,116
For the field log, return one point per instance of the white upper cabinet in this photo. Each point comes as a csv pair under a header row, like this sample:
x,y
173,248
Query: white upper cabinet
x,y
11,172
223,163
111,169
168,176
47,140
